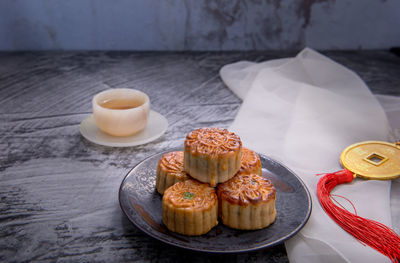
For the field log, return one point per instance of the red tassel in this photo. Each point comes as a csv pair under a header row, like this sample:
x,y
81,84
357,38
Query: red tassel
x,y
368,232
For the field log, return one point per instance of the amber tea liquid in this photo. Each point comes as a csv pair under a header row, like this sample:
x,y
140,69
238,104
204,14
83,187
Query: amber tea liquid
x,y
120,104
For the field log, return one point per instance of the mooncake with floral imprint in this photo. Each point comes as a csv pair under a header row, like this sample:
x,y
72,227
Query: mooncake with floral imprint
x,y
251,162
247,201
190,208
212,155
170,170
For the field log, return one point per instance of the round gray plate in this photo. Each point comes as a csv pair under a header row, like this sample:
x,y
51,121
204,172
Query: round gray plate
x,y
141,202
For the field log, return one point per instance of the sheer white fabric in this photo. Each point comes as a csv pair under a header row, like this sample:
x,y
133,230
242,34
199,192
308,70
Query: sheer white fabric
x,y
303,112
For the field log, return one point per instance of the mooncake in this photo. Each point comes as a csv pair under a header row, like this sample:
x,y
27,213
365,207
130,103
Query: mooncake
x,y
170,170
251,163
190,208
212,155
247,201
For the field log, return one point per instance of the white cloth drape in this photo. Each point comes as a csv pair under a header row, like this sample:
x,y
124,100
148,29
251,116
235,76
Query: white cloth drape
x,y
303,112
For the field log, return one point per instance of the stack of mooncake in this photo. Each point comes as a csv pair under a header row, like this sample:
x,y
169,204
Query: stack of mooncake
x,y
214,177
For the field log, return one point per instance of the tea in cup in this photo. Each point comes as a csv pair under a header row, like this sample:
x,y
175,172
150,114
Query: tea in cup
x,y
121,112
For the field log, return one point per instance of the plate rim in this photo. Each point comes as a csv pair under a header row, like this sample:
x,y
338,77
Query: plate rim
x,y
126,144
271,244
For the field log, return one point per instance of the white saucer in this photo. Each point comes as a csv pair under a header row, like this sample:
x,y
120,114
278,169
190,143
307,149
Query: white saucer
x,y
156,126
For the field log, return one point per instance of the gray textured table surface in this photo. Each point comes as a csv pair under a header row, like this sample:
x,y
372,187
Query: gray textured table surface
x,y
59,192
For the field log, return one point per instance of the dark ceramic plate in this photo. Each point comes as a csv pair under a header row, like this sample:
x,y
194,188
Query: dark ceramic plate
x,y
141,202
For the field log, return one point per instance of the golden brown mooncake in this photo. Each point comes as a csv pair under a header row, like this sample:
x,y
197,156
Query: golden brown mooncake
x,y
247,201
190,208
212,155
251,162
170,170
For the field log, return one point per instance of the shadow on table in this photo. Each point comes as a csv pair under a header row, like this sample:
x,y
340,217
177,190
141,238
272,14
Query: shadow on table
x,y
147,248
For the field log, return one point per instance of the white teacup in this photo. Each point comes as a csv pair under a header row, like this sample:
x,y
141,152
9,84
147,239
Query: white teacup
x,y
121,112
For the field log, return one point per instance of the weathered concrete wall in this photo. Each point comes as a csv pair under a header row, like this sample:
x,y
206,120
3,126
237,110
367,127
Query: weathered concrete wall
x,y
198,24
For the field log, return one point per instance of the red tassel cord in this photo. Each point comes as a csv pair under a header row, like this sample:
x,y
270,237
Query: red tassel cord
x,y
368,232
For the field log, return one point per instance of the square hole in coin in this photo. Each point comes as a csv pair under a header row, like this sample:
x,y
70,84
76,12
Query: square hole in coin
x,y
375,159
